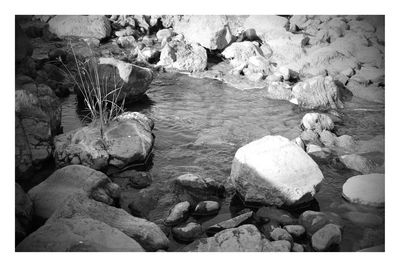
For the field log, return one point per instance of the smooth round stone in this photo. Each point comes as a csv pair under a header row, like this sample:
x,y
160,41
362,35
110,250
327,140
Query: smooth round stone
x,y
177,214
188,232
326,237
295,230
365,189
297,247
281,234
206,208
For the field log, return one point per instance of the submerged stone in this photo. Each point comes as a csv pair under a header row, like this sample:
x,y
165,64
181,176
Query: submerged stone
x,y
366,189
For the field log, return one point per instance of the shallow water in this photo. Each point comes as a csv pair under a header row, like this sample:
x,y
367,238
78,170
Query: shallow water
x,y
200,123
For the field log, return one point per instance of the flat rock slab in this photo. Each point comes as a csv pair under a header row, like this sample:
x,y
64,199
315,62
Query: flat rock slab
x,y
366,189
275,171
78,234
54,191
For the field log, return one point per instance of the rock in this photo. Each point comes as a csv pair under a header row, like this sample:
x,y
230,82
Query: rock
x,y
199,186
317,93
187,232
37,119
177,214
167,56
266,24
366,189
23,47
136,179
127,41
147,233
274,171
211,32
54,191
129,141
326,237
358,163
267,228
295,230
277,246
328,138
245,238
207,208
190,57
369,74
164,34
132,79
317,151
363,218
228,224
297,247
258,64
317,122
80,26
240,53
313,221
23,213
281,234
309,137
273,214
298,141
78,234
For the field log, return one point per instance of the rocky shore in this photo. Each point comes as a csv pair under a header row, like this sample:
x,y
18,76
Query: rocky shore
x,y
101,195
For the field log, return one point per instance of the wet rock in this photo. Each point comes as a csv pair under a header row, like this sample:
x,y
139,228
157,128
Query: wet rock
x,y
133,79
328,138
228,224
317,122
53,192
245,238
297,247
199,186
277,246
23,213
207,208
80,26
363,218
366,189
178,214
209,31
273,214
239,54
37,119
358,163
78,234
265,168
187,232
127,140
268,227
310,137
147,233
317,93
326,237
313,221
281,234
296,231
317,151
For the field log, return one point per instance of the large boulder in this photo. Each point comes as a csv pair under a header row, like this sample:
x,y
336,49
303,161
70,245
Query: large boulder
x,y
80,26
183,56
78,234
23,213
132,80
127,140
366,189
211,32
274,171
148,234
317,93
54,191
37,119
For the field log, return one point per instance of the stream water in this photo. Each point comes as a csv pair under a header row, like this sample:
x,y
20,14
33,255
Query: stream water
x,y
200,123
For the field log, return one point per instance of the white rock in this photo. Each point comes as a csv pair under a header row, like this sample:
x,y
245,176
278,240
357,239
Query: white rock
x,y
275,171
366,189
